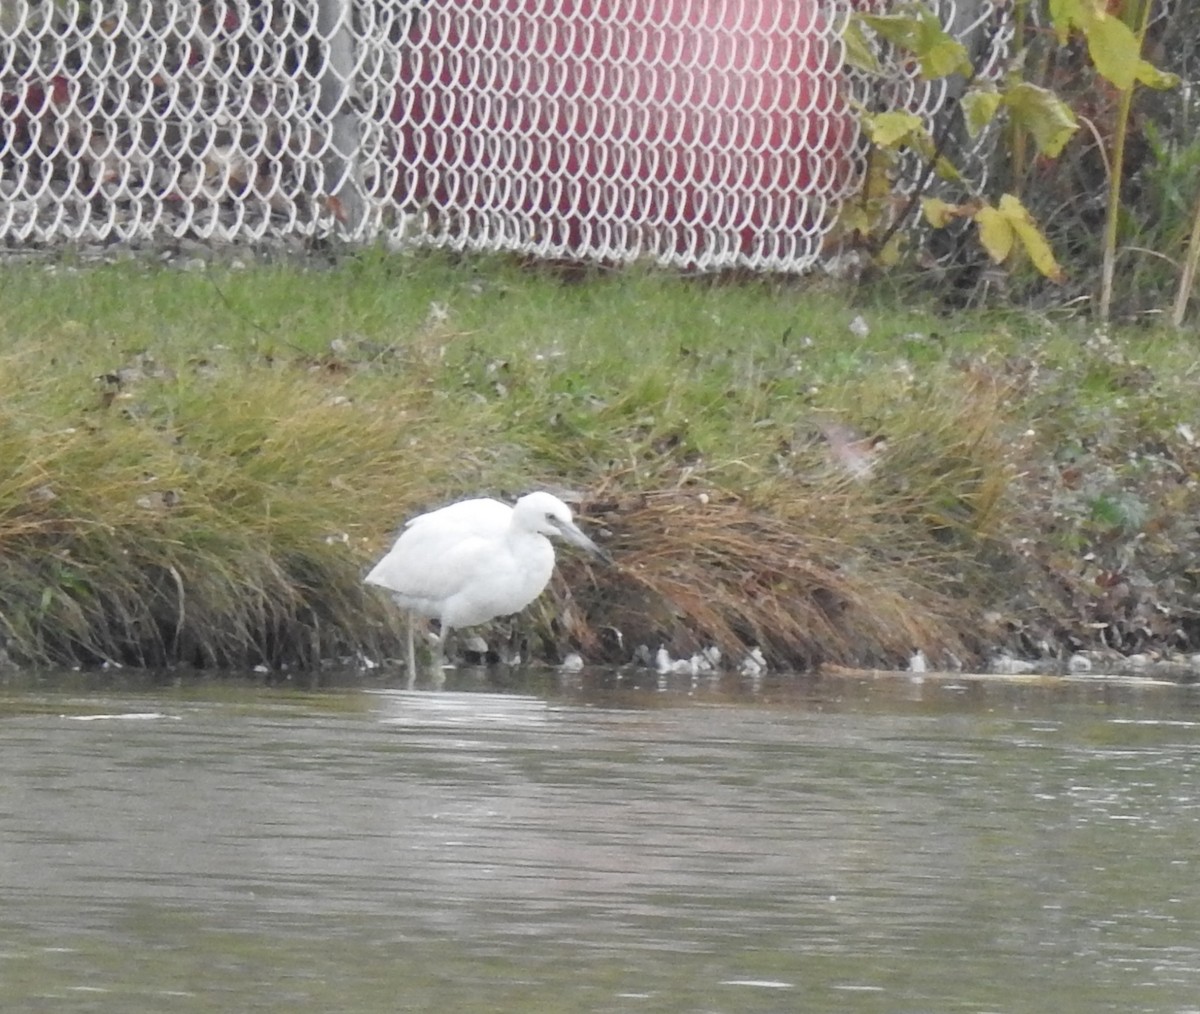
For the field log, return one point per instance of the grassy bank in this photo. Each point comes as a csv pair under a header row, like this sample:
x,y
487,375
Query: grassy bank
x,y
199,465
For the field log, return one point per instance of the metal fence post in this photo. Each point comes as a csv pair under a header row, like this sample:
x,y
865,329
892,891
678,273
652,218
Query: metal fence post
x,y
339,107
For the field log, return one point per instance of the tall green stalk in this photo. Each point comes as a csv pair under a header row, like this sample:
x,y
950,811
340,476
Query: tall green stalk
x,y
1115,178
1188,276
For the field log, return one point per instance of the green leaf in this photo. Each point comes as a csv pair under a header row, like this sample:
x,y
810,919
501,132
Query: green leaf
x,y
878,184
892,251
920,33
939,213
979,108
853,218
1114,50
922,143
995,233
859,53
947,170
1031,237
1152,77
1047,118
1067,14
948,56
889,129
1001,228
1117,53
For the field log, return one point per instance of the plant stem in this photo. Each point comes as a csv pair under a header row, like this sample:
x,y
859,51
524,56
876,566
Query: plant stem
x,y
1188,276
1017,134
927,171
1115,178
1112,215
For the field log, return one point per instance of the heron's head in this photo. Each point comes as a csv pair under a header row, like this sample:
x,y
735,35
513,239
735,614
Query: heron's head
x,y
547,514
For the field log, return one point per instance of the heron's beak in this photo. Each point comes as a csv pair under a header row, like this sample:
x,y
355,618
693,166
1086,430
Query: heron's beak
x,y
573,535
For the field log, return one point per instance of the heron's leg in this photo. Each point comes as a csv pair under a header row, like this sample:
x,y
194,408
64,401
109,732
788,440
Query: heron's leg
x,y
439,660
412,654
511,653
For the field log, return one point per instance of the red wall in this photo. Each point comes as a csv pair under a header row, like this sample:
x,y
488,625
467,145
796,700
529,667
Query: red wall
x,y
711,118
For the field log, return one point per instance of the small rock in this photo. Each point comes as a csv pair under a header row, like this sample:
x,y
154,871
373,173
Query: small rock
x,y
754,664
1079,664
476,645
1006,665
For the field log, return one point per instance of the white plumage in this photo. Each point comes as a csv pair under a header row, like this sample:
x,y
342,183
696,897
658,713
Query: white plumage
x,y
474,560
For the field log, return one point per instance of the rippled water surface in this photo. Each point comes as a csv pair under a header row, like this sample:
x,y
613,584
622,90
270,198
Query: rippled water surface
x,y
600,843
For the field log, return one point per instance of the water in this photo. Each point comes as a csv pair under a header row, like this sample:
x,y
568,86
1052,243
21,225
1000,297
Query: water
x,y
592,843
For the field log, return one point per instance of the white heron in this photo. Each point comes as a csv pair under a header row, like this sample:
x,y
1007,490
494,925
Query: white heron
x,y
474,560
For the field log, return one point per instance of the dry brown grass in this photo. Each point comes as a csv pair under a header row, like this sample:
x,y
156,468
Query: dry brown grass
x,y
223,516
815,566
218,503
702,571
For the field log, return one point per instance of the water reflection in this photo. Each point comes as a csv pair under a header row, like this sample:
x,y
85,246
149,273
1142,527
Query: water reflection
x,y
599,841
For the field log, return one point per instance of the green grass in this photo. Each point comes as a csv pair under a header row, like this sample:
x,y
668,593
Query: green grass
x,y
199,466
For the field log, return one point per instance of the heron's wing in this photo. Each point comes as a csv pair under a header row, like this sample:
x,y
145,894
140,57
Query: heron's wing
x,y
483,516
431,563
441,554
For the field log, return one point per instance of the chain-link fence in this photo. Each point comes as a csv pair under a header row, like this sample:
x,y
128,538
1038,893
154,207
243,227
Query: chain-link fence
x,y
705,133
